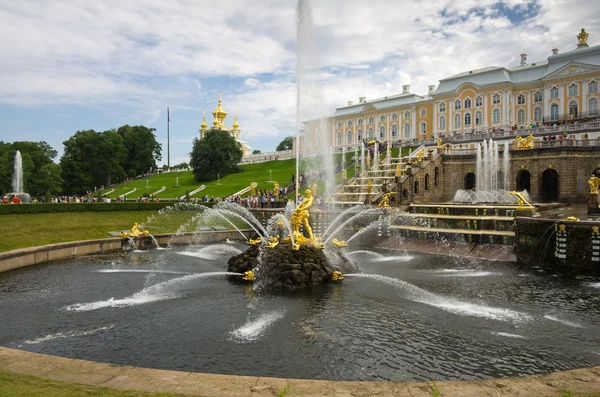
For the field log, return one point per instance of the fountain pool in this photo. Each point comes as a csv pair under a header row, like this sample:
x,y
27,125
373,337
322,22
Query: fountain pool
x,y
403,318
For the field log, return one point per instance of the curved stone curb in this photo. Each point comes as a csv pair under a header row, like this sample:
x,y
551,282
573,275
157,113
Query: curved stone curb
x,y
586,380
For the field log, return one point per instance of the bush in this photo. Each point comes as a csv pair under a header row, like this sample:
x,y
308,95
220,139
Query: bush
x,y
83,207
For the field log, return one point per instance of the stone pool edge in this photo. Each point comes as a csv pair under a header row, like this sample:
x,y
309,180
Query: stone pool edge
x,y
585,380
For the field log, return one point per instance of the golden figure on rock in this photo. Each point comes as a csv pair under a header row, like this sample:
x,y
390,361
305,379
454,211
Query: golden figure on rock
x,y
339,243
276,189
254,242
248,276
594,182
273,242
134,232
337,276
300,217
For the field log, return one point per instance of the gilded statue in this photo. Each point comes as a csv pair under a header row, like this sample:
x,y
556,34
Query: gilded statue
x,y
526,143
595,230
314,189
344,175
582,37
254,241
420,155
273,242
369,160
594,181
522,199
385,201
397,169
339,243
134,232
439,143
300,217
253,188
369,187
276,189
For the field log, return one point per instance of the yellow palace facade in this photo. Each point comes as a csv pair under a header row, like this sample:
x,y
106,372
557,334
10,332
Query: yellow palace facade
x,y
563,88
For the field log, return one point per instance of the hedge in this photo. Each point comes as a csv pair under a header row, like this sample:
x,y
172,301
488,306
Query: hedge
x,y
83,207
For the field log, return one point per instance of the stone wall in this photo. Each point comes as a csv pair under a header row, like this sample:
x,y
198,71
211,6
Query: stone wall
x,y
573,165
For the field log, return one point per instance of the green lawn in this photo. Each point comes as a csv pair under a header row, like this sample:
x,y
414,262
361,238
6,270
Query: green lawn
x,y
281,171
17,385
29,230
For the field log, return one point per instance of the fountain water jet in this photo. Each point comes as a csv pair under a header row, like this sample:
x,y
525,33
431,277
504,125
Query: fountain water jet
x,y
17,181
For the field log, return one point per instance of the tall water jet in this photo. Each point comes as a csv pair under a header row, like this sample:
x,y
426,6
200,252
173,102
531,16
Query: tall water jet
x,y
506,164
310,101
17,179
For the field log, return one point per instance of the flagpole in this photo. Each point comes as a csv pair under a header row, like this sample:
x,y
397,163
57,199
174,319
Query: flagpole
x,y
168,140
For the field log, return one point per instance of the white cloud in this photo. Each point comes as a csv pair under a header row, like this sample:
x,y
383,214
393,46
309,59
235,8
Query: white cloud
x,y
132,58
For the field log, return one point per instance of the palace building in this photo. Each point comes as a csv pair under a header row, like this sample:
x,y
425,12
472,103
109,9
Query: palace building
x,y
219,115
562,88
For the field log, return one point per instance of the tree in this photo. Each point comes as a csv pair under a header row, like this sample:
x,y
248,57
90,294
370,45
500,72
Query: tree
x,y
34,156
286,144
92,159
217,154
256,151
143,151
49,179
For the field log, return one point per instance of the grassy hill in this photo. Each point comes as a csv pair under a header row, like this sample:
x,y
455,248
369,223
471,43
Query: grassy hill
x,y
261,173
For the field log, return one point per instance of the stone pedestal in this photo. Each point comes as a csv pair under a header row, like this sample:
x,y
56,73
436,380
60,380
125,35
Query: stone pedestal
x,y
593,204
526,212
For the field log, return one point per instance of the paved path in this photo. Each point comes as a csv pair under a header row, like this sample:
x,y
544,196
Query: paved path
x,y
153,380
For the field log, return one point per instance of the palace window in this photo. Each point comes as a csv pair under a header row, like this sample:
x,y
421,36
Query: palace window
x,y
467,103
573,89
381,132
370,120
423,112
382,119
457,121
467,119
423,128
394,131
478,101
537,97
416,187
406,115
436,176
359,137
593,86
394,116
442,122
496,99
593,107
457,104
537,114
554,92
478,118
339,139
340,124
521,116
426,184
371,133
496,116
349,123
573,109
521,99
554,111
407,130
359,121
442,107
349,137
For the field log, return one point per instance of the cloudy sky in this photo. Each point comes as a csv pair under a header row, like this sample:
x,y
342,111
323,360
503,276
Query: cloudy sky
x,y
70,65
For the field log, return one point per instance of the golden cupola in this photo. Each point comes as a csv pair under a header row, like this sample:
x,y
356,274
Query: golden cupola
x,y
204,126
235,124
219,114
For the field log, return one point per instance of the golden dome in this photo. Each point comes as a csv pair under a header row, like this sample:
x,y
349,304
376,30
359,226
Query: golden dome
x,y
219,114
204,125
235,124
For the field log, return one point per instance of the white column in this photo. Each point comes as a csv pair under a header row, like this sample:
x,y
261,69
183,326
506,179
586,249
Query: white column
x,y
485,110
561,96
434,127
414,122
450,119
584,92
505,107
528,99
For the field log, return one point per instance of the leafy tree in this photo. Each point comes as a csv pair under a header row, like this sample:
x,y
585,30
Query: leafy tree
x,y
50,179
143,151
92,159
218,153
34,156
256,151
181,166
286,144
